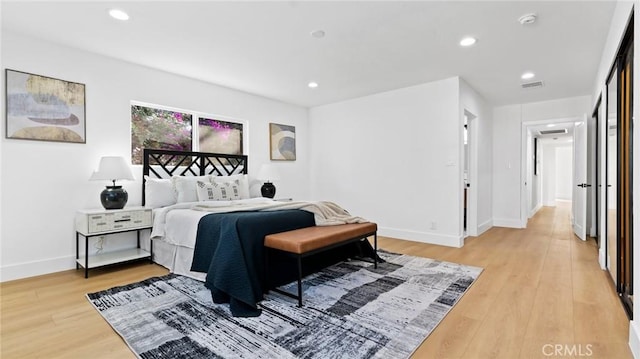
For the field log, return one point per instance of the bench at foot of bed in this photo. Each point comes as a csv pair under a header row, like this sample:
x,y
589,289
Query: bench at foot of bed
x,y
311,240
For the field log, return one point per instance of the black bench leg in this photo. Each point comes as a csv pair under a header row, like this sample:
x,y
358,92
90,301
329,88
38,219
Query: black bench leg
x,y
375,250
299,281
266,271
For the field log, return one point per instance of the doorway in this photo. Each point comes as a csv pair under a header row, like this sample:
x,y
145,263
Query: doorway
x,y
547,164
469,226
595,160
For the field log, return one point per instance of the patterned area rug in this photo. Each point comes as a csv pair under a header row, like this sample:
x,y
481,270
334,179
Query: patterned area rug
x,y
350,311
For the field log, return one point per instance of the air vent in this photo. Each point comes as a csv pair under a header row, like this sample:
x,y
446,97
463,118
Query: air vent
x,y
553,132
534,84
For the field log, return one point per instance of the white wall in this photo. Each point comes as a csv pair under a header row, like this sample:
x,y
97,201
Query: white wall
x,y
548,162
557,171
506,166
618,24
564,172
394,158
1,146
507,151
44,183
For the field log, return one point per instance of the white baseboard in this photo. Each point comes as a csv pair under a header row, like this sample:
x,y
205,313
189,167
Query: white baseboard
x,y
634,339
549,203
424,237
509,223
31,269
535,210
578,229
602,259
485,226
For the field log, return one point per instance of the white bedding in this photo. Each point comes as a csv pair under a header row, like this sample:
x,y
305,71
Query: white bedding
x,y
176,225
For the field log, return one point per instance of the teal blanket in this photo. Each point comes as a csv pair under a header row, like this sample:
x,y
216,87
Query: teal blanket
x,y
230,249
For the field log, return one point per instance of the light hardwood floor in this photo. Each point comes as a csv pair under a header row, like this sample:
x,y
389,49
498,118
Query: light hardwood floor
x,y
540,286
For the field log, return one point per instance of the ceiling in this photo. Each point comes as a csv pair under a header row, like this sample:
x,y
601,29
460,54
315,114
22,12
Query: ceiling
x,y
266,47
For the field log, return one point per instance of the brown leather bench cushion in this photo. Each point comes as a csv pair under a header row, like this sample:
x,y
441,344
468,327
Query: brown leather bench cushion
x,y
304,240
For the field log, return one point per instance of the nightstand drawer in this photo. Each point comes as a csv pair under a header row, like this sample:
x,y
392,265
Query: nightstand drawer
x,y
98,221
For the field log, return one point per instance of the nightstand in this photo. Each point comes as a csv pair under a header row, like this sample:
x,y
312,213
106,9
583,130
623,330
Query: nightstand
x,y
100,222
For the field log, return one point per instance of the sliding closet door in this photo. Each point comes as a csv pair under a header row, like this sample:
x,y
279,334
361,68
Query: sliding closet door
x,y
625,177
612,175
620,171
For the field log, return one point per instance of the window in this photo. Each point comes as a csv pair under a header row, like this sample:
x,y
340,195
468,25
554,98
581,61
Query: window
x,y
219,136
170,129
158,129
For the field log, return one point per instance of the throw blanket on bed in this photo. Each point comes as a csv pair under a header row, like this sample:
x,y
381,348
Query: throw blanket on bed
x,y
325,213
230,249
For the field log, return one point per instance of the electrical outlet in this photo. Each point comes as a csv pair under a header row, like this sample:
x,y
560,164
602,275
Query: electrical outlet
x,y
434,225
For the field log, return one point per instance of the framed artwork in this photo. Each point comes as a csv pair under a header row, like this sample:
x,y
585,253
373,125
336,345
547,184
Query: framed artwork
x,y
44,109
282,142
218,136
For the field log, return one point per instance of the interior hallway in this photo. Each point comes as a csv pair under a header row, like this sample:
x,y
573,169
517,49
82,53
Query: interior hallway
x,y
540,286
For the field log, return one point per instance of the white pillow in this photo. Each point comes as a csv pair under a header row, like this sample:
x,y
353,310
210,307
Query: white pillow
x,y
243,183
185,187
158,192
214,191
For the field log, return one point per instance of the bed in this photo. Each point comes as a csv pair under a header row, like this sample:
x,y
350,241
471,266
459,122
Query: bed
x,y
208,226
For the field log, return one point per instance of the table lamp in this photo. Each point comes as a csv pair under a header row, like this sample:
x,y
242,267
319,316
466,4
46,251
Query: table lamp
x,y
268,173
113,168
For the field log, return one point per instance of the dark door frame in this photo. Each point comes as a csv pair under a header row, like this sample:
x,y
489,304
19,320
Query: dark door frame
x,y
624,280
598,160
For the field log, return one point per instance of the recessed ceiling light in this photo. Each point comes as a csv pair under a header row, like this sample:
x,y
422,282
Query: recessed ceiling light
x,y
551,125
313,85
318,34
119,14
527,75
468,41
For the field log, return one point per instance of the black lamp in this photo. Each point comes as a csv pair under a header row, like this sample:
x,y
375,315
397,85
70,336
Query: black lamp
x,y
268,173
113,168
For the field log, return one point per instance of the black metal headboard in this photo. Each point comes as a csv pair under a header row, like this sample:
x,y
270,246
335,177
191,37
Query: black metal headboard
x,y
167,163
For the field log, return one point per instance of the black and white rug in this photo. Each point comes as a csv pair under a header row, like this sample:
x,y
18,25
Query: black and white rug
x,y
350,311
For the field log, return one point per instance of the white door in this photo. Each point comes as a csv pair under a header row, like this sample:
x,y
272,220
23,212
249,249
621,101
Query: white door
x,y
580,185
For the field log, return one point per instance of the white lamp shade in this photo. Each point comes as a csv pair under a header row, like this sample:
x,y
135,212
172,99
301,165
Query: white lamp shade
x,y
112,168
268,173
